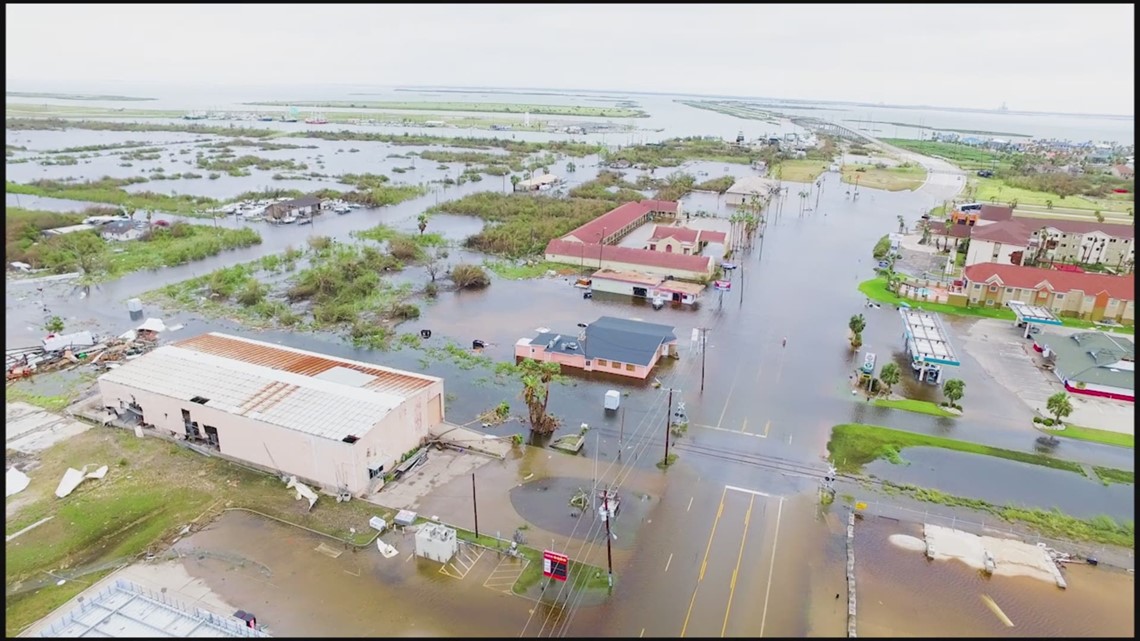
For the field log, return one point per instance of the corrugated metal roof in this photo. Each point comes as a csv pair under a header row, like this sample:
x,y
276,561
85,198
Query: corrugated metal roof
x,y
271,384
299,361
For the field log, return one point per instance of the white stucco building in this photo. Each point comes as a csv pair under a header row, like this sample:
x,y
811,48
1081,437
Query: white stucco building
x,y
332,422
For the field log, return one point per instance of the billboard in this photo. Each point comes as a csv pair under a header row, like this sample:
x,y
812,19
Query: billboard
x,y
555,566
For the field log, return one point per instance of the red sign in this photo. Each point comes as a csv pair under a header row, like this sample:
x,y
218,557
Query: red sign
x,y
555,566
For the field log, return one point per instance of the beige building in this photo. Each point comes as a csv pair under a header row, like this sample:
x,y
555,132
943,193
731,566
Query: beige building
x,y
1092,297
1022,241
744,190
335,423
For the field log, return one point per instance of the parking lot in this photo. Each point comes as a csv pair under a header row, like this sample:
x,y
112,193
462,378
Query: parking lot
x,y
1001,349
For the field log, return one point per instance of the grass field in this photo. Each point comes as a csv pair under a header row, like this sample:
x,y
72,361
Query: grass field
x,y
70,96
854,445
912,405
487,107
964,156
799,171
1097,436
995,190
876,290
898,178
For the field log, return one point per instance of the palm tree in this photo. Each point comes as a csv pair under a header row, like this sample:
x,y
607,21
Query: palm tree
x,y
421,222
856,341
954,389
1048,204
856,324
889,375
1059,406
902,224
515,180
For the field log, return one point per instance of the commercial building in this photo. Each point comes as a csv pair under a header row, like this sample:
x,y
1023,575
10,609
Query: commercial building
x,y
614,345
640,285
1094,363
1087,296
743,191
69,229
682,240
335,423
594,244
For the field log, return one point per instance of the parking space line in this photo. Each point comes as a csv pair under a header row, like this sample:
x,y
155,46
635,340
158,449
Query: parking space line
x,y
461,565
503,579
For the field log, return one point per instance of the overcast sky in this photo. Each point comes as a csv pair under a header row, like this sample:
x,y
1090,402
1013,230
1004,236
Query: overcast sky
x,y
1068,58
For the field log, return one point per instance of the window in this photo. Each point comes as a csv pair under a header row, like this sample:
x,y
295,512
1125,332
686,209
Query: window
x,y
993,288
977,285
615,364
1059,296
1009,290
629,367
601,362
212,436
375,472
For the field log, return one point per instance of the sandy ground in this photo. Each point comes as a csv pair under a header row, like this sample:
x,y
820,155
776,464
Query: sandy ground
x,y
1010,359
1011,558
168,577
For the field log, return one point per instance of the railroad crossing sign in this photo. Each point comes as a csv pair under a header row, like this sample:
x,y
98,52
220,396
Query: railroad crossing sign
x,y
555,566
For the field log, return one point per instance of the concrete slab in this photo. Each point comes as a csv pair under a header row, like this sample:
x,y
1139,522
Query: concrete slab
x,y
31,429
440,467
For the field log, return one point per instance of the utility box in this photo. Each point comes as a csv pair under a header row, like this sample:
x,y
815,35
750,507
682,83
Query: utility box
x,y
613,399
404,518
437,542
378,524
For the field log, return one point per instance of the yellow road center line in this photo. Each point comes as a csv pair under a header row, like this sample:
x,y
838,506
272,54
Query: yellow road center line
x,y
736,570
708,548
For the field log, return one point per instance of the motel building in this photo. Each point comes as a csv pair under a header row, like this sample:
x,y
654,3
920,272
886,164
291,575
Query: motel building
x,y
641,285
334,423
615,345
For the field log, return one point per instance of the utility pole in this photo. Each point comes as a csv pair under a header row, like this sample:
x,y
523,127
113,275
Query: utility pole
x,y
668,420
703,341
475,505
609,551
742,283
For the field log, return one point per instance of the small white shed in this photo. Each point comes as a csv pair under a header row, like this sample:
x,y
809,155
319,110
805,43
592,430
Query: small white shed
x,y
437,542
613,399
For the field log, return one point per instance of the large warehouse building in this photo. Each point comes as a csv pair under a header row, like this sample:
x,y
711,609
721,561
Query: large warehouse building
x,y
333,422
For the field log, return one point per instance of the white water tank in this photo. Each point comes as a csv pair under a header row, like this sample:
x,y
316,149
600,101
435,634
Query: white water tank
x,y
134,305
613,399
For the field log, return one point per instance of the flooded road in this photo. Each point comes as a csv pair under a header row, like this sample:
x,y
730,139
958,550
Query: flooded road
x,y
733,542
903,594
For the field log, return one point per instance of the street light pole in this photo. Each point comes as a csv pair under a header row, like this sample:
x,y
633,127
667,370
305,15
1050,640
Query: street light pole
x,y
703,341
475,505
668,419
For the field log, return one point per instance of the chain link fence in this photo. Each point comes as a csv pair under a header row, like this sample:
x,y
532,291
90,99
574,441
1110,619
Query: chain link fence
x,y
1104,554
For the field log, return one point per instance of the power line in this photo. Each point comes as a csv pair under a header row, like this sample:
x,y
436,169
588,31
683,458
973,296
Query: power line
x,y
648,420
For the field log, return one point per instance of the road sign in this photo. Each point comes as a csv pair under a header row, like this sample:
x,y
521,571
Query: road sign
x,y
555,566
722,285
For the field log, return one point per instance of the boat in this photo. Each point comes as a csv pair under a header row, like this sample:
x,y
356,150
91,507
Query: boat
x,y
317,120
868,363
343,209
265,118
287,219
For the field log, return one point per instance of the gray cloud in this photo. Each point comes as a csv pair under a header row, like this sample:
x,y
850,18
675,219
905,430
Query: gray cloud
x,y
1035,57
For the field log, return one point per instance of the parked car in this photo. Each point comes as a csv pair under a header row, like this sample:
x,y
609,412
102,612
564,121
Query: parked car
x,y
161,223
985,173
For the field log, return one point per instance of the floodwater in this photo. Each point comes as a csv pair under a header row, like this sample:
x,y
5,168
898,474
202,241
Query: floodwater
x,y
667,117
1003,482
740,500
901,594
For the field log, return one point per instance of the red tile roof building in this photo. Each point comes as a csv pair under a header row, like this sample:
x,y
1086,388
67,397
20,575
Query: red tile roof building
x,y
590,245
1084,295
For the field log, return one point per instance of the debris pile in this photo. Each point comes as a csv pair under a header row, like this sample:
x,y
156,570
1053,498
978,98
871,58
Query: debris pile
x,y
67,351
